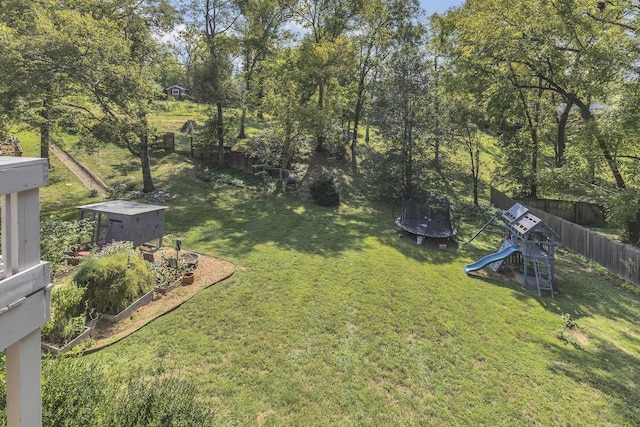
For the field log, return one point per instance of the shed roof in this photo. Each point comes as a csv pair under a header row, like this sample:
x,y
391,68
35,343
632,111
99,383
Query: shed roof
x,y
122,207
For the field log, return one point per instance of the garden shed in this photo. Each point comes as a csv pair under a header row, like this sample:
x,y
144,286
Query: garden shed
x,y
123,220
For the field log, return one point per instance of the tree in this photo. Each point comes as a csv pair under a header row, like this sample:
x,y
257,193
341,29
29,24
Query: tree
x,y
571,51
215,21
260,31
399,107
377,20
68,61
323,49
281,96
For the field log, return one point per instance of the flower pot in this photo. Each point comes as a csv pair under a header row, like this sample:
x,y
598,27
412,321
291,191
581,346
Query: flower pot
x,y
188,278
191,259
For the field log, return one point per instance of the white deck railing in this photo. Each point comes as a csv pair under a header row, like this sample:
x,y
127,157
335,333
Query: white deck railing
x,y
24,286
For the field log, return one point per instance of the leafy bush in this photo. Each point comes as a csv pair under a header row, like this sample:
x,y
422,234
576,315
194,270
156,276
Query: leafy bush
x,y
117,191
114,280
72,392
76,392
59,237
163,402
67,314
167,272
324,190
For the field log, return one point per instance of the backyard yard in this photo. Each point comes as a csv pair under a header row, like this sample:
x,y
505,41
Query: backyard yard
x,y
332,318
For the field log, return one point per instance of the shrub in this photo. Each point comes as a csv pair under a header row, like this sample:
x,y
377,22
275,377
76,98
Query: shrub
x,y
167,272
72,392
324,190
58,237
166,401
114,280
76,392
67,314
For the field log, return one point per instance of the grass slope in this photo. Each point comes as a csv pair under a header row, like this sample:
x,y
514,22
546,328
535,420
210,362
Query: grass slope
x,y
332,319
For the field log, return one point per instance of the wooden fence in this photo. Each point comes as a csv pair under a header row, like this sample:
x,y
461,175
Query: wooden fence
x,y
167,143
614,256
577,212
232,159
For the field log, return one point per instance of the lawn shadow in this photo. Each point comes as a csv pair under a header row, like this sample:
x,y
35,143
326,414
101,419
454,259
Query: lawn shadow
x,y
604,367
237,221
579,292
436,251
238,212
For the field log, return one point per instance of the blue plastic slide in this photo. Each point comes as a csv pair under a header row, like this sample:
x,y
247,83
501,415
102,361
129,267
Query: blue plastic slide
x,y
486,260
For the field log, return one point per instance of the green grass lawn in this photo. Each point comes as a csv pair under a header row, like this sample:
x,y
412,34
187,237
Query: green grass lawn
x,y
331,318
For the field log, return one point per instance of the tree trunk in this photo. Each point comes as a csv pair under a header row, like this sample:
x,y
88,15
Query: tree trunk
x,y
45,126
243,117
561,142
354,137
533,185
220,130
147,181
585,113
320,135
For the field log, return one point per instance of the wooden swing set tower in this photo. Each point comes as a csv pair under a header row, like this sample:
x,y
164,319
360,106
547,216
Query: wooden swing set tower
x,y
536,242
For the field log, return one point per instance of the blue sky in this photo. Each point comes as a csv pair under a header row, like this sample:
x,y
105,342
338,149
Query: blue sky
x,y
439,6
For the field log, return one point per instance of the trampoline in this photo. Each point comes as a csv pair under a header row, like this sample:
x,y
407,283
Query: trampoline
x,y
426,215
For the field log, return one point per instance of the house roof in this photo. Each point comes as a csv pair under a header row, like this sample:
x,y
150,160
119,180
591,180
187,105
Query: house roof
x,y
176,87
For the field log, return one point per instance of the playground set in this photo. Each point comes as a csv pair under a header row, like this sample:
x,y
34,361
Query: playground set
x,y
527,241
426,216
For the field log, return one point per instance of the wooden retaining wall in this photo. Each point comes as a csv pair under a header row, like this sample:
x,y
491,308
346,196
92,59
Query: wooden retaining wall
x,y
614,256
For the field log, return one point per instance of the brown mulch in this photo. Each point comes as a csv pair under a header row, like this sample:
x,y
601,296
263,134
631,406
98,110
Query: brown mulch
x,y
210,271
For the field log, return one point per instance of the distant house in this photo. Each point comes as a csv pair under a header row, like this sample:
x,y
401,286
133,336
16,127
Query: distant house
x,y
178,92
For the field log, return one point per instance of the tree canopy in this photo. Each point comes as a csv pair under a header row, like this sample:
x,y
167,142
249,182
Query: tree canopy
x,y
554,83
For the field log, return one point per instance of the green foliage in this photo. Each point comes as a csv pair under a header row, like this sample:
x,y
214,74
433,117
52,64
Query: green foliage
x,y
3,391
162,402
324,190
114,279
67,314
74,392
208,135
167,272
58,237
78,393
622,207
267,148
117,191
470,212
565,334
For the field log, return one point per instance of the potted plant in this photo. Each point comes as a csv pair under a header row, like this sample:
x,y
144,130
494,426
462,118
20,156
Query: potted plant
x,y
188,278
169,271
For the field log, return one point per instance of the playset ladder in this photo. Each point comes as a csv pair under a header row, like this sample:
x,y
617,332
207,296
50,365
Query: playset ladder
x,y
544,277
